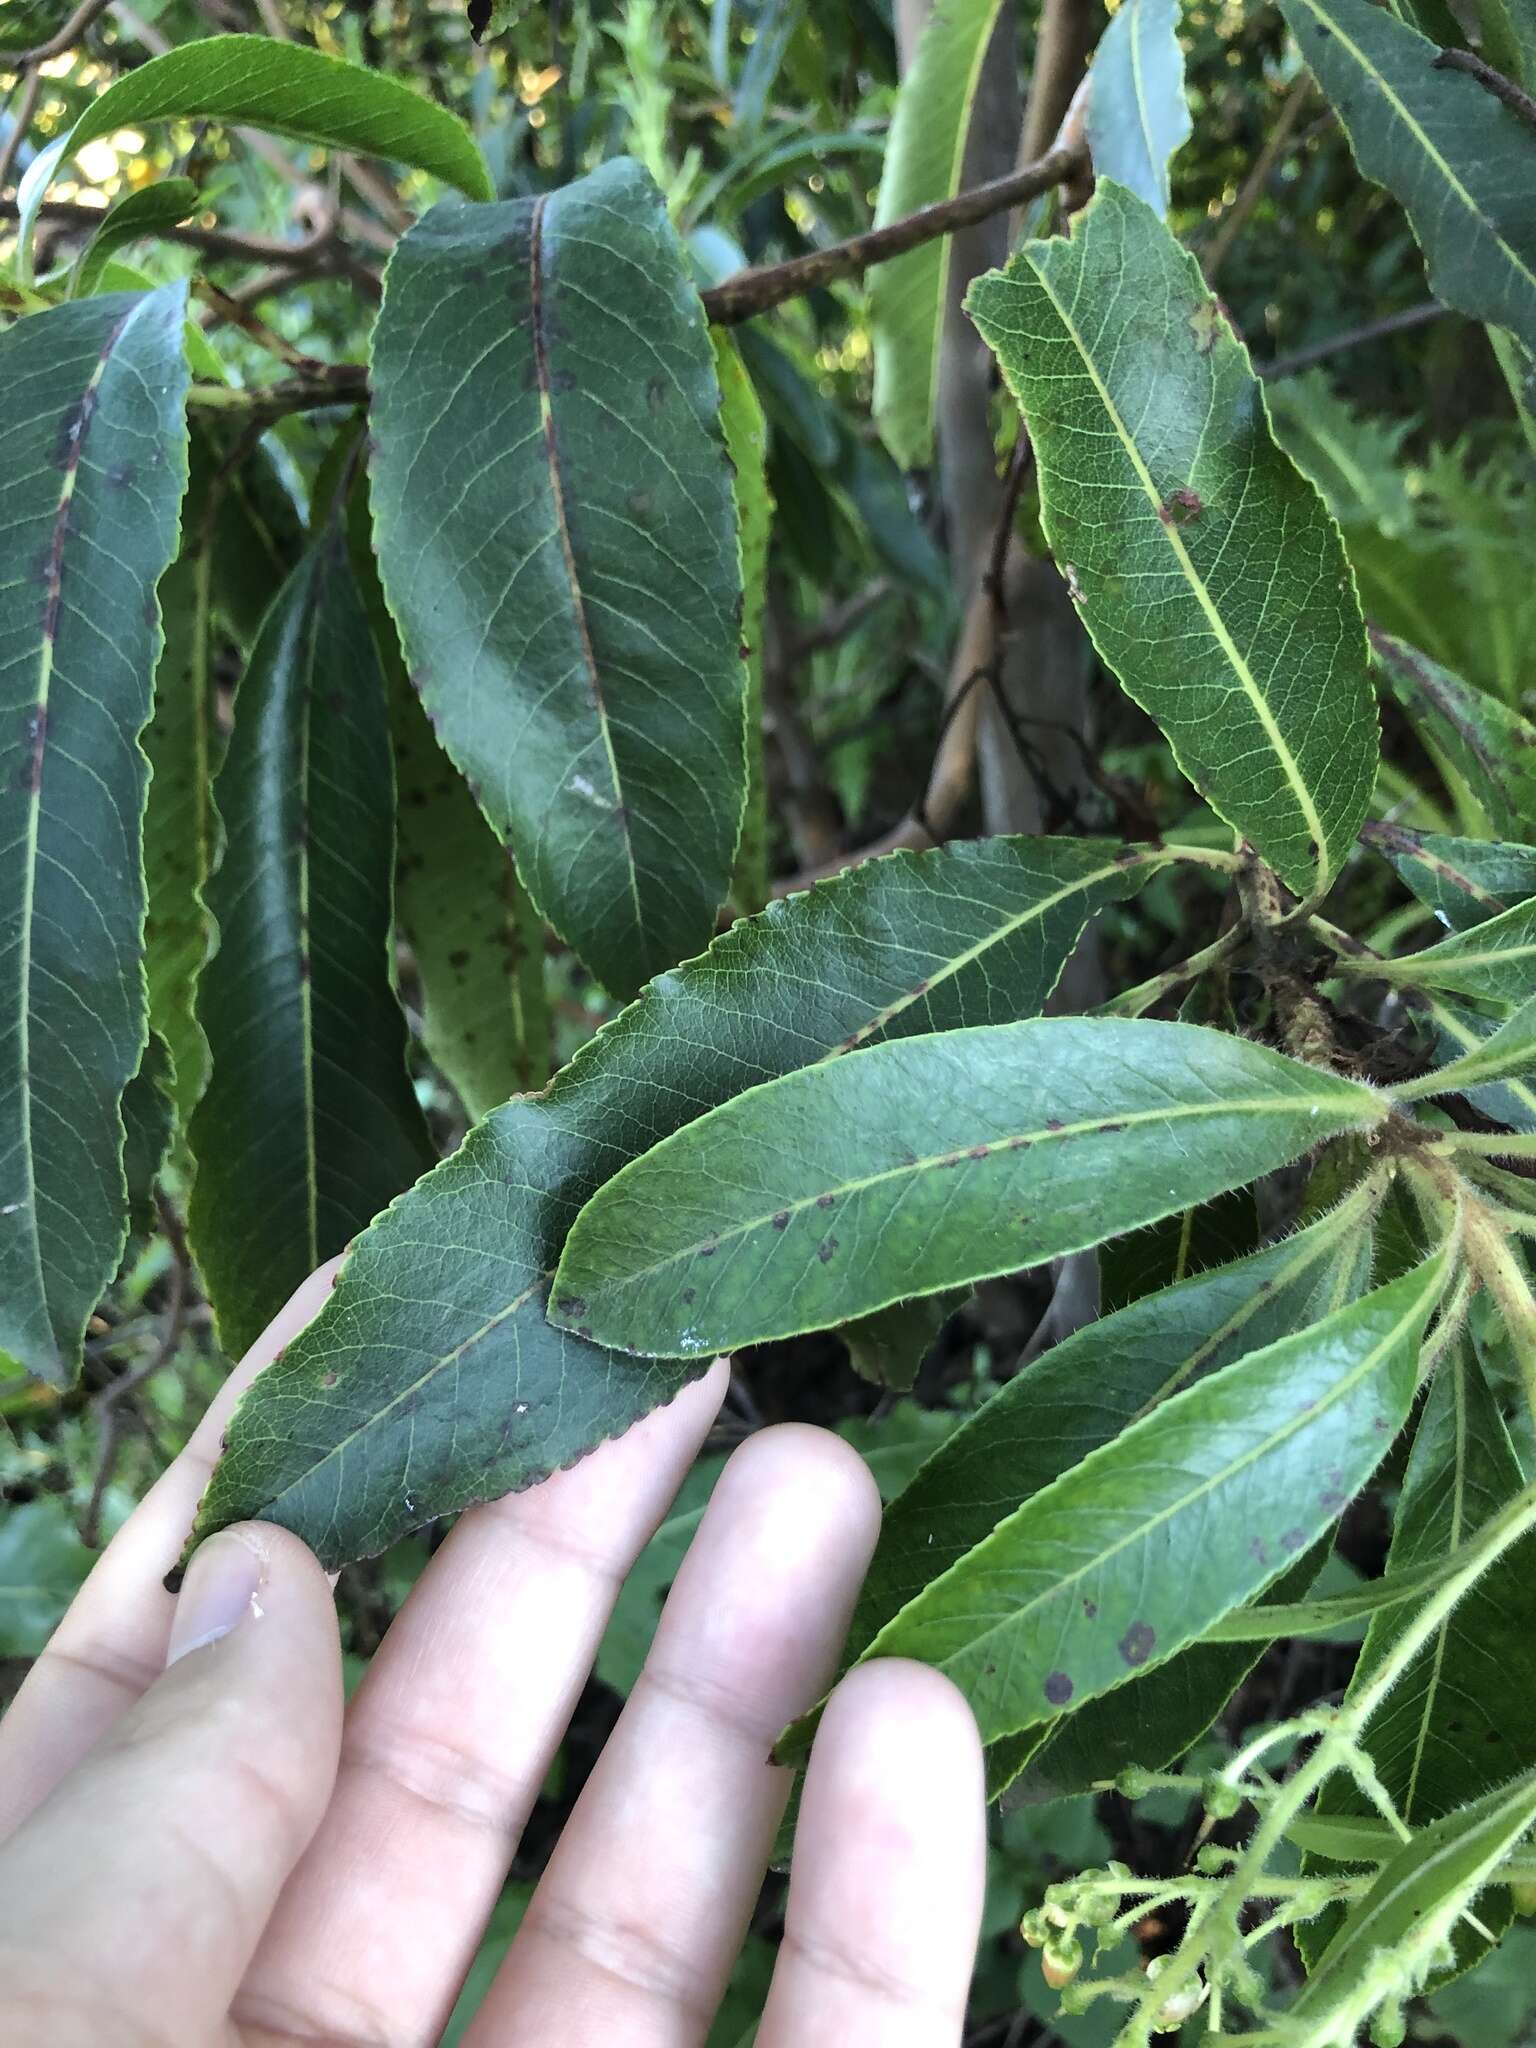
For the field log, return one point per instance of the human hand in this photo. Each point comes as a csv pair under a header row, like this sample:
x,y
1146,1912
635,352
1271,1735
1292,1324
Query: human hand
x,y
201,1846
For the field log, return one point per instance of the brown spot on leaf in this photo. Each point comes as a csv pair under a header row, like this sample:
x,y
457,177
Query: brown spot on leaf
x,y
1058,1688
979,1151
826,1249
825,1201
1293,1539
572,1305
1138,1642
1180,508
781,1221
707,1251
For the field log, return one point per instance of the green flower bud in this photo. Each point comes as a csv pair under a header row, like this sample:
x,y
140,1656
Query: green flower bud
x,y
1061,1961
1134,1782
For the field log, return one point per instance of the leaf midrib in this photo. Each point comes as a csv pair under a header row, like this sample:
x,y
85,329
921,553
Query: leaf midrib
x,y
1236,660
1418,132
540,341
1121,1119
1144,1529
52,621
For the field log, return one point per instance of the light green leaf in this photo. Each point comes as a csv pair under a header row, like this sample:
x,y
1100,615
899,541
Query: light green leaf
x,y
477,941
557,540
1493,962
309,1125
93,452
1354,458
746,442
1492,748
286,88
1510,1051
432,1379
1412,1909
1137,112
1204,565
1184,1516
43,1565
149,211
931,1163
1459,161
924,160
1075,1399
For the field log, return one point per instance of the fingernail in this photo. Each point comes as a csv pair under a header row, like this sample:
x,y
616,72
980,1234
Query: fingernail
x,y
220,1590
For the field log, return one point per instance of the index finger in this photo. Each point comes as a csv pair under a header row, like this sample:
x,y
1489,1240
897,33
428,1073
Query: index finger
x,y
110,1647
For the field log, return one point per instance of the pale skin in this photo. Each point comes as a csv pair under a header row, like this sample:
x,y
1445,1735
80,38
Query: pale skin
x,y
213,1850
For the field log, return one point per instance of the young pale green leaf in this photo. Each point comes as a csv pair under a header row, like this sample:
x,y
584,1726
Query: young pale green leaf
x,y
1205,566
746,442
1506,1053
477,941
1184,1516
432,1378
94,453
1411,1911
1492,748
1464,881
309,1124
286,88
1354,458
924,158
926,1164
149,211
1494,962
1458,1723
1137,113
1075,1399
557,539
1457,159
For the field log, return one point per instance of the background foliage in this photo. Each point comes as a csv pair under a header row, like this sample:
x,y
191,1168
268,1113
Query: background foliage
x,y
935,611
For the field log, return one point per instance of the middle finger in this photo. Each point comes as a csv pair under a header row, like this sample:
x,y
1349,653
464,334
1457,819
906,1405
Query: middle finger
x,y
449,1738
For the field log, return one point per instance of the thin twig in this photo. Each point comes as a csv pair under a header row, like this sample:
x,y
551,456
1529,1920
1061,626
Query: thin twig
x,y
754,291
68,35
240,314
212,241
110,1401
340,384
1233,221
1518,102
26,107
1352,337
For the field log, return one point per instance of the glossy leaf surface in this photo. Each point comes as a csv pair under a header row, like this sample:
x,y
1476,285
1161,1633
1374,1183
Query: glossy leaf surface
x,y
309,1124
93,451
432,1378
1204,565
1127,1557
931,1163
557,539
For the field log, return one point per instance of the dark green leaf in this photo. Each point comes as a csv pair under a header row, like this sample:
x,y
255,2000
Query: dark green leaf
x,y
888,1348
1077,1398
93,452
148,211
1460,162
1464,881
1189,1512
434,1363
1170,511
557,539
1492,748
309,1125
286,88
926,1164
1462,1032
924,159
477,941
1137,114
